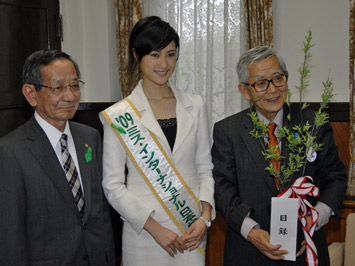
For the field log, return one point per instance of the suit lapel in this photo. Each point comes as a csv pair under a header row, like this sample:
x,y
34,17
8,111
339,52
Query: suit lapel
x,y
85,169
183,117
255,147
43,151
148,119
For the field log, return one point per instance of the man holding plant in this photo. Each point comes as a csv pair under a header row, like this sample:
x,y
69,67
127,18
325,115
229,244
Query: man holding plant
x,y
247,177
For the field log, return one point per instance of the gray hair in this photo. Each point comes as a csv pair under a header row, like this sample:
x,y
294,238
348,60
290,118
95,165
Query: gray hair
x,y
253,55
32,69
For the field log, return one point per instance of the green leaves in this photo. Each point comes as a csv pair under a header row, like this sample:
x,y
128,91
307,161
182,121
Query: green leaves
x,y
327,94
321,118
304,106
301,139
304,70
260,129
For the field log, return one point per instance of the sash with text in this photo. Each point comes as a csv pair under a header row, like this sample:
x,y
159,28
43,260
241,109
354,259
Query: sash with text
x,y
154,165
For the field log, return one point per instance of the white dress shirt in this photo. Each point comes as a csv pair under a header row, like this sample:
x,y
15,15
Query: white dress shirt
x,y
53,134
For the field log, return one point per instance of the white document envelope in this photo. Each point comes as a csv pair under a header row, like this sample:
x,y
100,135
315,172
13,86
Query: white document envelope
x,y
283,228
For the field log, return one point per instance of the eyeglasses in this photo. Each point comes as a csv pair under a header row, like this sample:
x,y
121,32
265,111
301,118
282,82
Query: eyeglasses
x,y
59,90
263,84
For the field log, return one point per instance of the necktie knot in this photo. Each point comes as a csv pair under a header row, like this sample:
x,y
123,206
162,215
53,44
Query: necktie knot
x,y
271,129
64,142
271,132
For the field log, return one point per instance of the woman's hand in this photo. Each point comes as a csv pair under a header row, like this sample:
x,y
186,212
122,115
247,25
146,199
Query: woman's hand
x,y
195,234
166,238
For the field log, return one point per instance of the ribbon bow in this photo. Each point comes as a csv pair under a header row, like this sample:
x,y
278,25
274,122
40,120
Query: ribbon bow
x,y
300,189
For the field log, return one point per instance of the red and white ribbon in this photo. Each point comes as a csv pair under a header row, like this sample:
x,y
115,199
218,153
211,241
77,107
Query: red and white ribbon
x,y
300,189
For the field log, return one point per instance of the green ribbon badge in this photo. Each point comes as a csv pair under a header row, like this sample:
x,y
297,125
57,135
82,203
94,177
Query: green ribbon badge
x,y
88,156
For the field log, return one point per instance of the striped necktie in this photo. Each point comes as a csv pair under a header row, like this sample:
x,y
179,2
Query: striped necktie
x,y
72,174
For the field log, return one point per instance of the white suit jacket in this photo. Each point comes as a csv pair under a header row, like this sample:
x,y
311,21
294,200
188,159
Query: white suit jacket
x,y
191,155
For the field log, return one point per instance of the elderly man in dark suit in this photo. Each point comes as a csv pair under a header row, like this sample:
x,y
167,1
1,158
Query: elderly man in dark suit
x,y
53,211
243,188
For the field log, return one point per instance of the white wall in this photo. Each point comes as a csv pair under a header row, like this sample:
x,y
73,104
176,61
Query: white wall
x,y
329,22
90,38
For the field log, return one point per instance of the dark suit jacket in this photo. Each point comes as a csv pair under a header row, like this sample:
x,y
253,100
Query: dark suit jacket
x,y
242,184
40,223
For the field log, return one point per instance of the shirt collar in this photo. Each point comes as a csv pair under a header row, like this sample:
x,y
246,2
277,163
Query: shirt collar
x,y
52,132
277,120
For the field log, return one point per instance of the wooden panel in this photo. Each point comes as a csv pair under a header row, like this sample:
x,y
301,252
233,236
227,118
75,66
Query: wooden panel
x,y
215,242
337,226
26,26
341,132
11,118
335,229
88,114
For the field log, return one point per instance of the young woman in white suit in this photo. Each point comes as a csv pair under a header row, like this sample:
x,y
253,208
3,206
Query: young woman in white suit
x,y
179,122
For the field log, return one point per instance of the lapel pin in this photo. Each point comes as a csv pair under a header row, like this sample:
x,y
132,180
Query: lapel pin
x,y
311,155
88,156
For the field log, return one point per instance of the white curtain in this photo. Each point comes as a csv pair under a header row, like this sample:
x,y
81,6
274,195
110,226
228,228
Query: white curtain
x,y
211,40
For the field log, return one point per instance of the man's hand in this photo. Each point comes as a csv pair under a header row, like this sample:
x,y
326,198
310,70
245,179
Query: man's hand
x,y
261,240
302,249
304,243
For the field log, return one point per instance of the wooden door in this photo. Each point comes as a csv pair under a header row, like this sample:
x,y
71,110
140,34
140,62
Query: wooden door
x,y
25,27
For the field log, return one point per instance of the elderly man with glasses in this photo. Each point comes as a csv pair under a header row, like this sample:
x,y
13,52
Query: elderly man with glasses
x,y
53,210
243,187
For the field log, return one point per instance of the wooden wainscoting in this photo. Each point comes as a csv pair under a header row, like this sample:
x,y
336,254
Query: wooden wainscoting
x,y
341,132
335,229
215,241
